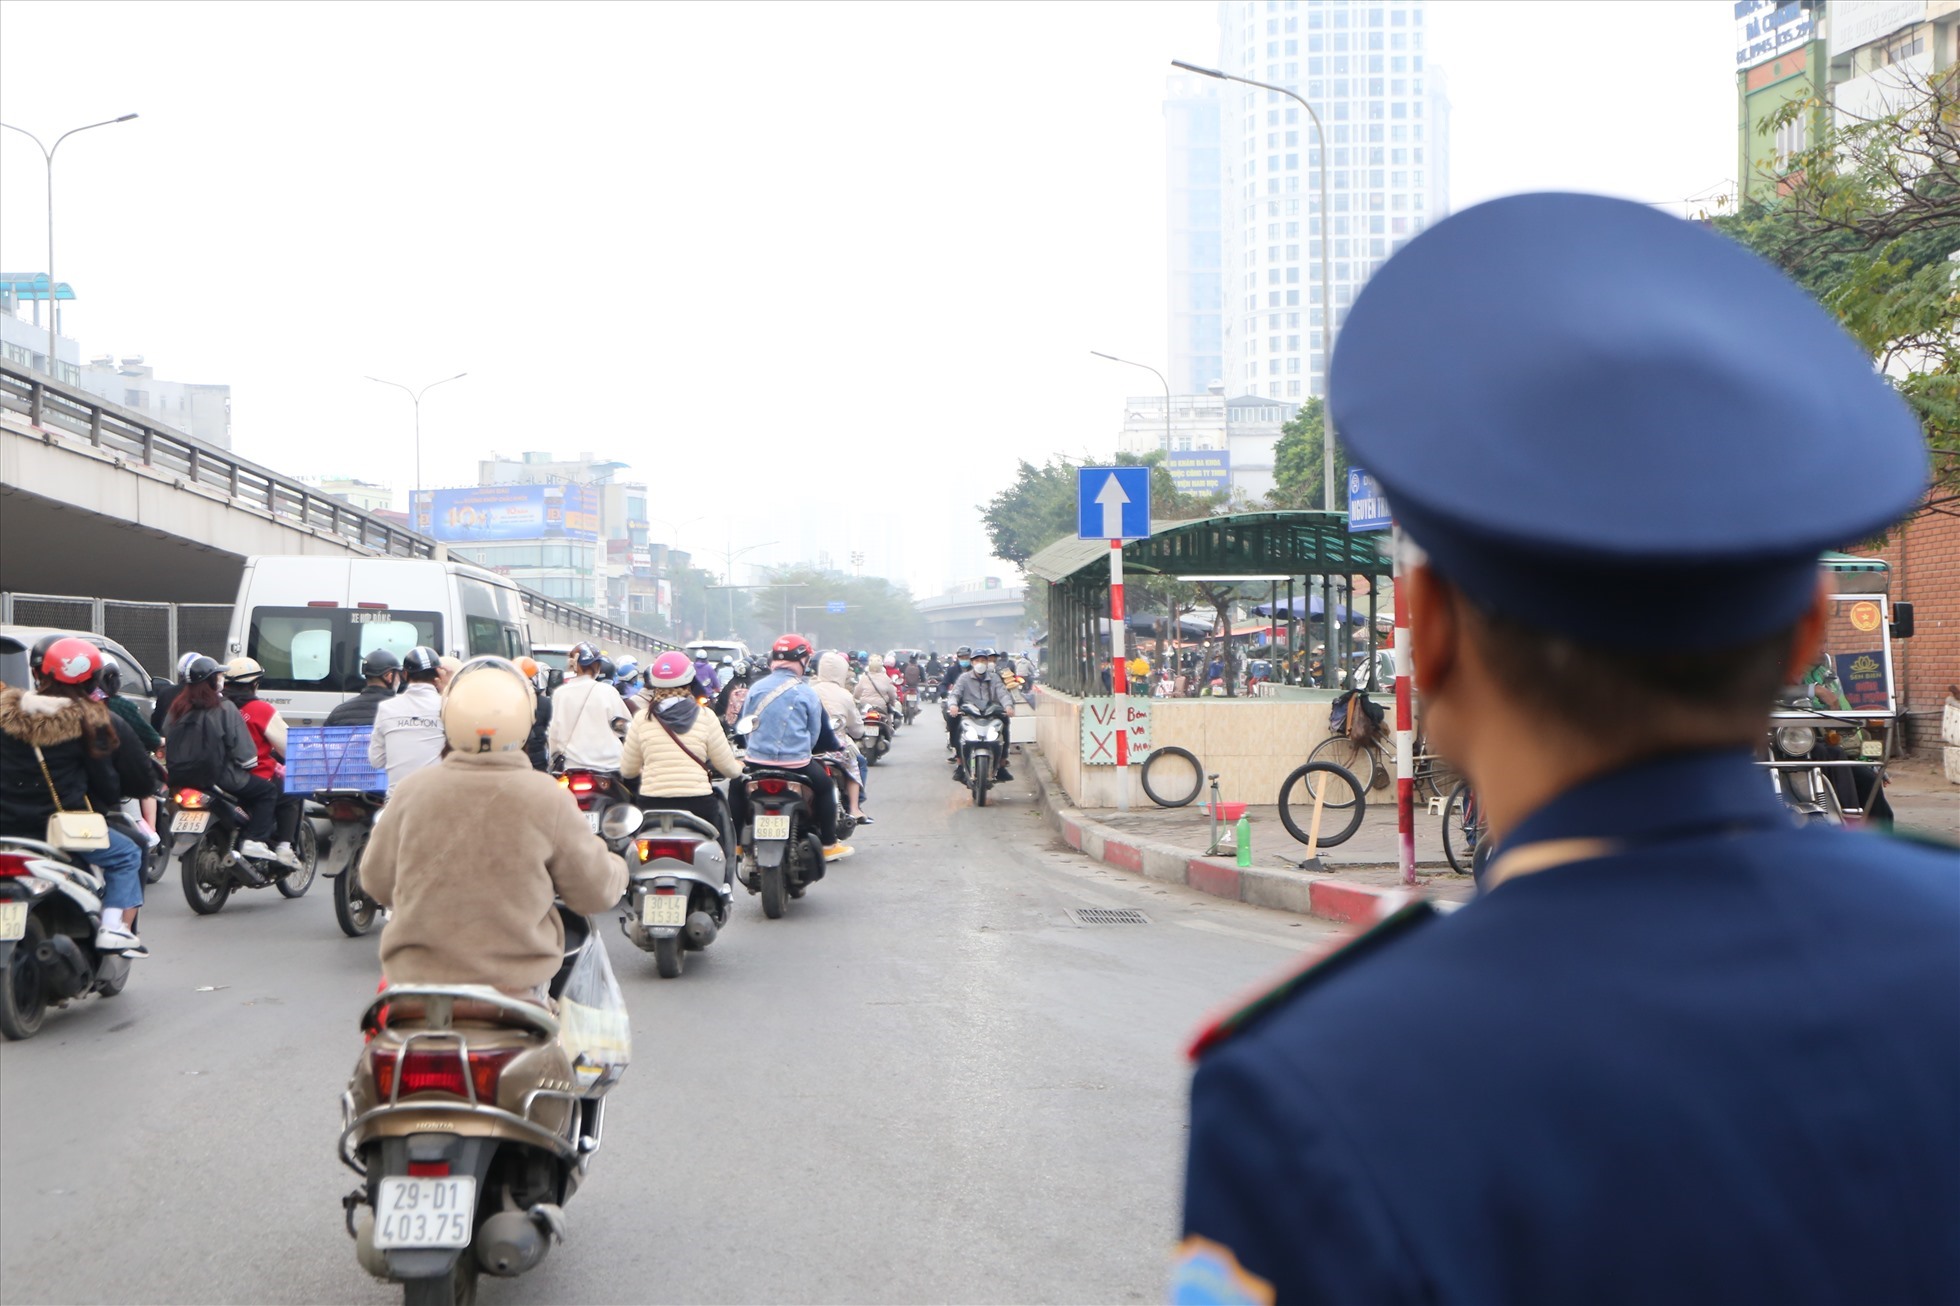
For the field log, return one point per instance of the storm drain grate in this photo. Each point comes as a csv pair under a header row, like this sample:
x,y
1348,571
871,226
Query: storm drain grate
x,y
1109,916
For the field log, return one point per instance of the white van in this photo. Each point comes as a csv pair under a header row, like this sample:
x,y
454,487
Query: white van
x,y
309,621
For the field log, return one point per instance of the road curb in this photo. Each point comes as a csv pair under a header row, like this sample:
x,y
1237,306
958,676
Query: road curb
x,y
1330,899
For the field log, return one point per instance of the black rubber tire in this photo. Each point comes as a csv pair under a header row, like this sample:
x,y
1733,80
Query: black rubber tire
x,y
775,894
669,956
980,774
156,860
354,910
1336,776
1170,799
294,884
23,998
457,1288
205,902
1460,844
1358,760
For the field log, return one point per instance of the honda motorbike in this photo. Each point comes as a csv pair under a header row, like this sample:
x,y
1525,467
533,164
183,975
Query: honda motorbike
x,y
471,1126
983,748
50,911
877,734
206,829
786,847
352,814
679,895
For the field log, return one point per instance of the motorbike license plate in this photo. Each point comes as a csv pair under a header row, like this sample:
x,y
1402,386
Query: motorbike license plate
x,y
772,827
189,822
1872,748
592,819
663,909
421,1212
13,921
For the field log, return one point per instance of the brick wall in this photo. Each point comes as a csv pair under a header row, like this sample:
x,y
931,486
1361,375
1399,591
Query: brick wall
x,y
1925,560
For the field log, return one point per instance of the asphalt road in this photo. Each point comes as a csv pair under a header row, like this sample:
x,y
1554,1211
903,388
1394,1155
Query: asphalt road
x,y
927,1083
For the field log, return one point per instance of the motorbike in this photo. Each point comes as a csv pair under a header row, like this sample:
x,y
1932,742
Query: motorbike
x,y
877,734
156,856
909,703
1820,782
206,829
983,748
352,813
679,895
50,911
786,849
597,793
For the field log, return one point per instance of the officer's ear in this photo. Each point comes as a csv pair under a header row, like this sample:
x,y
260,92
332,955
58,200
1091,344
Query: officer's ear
x,y
1808,635
1436,649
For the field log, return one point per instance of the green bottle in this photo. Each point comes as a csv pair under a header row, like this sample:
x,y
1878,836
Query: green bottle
x,y
1243,838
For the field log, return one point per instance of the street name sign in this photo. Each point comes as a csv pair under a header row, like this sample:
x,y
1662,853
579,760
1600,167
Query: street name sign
x,y
1367,509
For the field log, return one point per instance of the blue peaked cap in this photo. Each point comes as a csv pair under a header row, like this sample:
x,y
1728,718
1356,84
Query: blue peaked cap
x,y
1611,424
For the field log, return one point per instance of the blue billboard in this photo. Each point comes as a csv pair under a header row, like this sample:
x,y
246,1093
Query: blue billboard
x,y
483,513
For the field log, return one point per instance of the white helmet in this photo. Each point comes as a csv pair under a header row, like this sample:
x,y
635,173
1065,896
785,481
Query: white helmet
x,y
488,707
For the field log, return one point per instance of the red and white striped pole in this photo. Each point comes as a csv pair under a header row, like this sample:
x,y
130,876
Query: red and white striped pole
x,y
1405,735
1119,675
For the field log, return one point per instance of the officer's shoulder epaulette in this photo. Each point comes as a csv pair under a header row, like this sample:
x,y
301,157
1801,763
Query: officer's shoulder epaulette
x,y
1270,996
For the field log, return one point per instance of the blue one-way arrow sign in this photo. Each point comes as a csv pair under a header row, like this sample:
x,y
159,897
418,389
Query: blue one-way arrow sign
x,y
1112,503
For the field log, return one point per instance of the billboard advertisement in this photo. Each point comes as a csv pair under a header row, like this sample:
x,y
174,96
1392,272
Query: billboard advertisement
x,y
1765,29
483,513
1200,471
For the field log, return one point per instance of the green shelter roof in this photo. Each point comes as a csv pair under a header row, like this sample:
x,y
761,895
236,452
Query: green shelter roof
x,y
1297,542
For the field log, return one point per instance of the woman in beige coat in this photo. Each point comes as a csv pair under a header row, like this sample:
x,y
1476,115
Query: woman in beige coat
x,y
674,749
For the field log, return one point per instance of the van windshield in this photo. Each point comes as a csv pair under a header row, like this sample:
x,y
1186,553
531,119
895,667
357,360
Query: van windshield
x,y
320,649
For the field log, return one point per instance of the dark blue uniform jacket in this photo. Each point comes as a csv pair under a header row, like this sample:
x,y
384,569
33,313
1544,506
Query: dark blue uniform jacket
x,y
1722,1065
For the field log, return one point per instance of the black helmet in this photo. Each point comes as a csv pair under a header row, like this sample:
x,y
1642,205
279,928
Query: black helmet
x,y
201,669
606,669
109,679
985,653
421,662
379,663
584,654
963,651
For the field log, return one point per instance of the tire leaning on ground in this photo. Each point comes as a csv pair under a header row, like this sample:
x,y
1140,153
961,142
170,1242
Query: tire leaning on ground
x,y
1169,778
1335,783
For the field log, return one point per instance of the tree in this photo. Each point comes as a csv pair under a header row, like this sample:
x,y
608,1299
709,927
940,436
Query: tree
x,y
877,614
1866,219
1040,508
1297,462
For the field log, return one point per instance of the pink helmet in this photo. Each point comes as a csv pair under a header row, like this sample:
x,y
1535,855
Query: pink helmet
x,y
670,669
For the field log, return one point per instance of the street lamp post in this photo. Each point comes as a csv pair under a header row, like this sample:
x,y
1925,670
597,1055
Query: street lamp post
x,y
1160,377
47,156
416,396
1326,278
728,575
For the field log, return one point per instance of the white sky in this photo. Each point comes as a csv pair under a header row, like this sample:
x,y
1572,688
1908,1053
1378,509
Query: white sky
x,y
770,254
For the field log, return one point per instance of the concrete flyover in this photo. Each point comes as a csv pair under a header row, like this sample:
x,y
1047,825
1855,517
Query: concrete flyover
x,y
976,615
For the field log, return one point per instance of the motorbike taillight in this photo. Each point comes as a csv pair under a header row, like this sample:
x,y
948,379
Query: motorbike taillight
x,y
579,782
680,850
772,786
344,811
433,1070
12,864
189,798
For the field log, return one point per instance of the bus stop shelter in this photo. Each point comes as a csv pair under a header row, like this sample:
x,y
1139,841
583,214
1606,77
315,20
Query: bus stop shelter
x,y
1288,555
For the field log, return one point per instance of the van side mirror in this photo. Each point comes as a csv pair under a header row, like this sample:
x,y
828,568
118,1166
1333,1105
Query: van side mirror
x,y
1902,621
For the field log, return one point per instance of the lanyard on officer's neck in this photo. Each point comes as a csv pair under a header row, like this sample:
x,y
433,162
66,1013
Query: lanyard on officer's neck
x,y
1549,854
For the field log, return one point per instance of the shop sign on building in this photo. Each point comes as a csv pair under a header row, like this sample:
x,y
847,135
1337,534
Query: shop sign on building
x,y
1765,29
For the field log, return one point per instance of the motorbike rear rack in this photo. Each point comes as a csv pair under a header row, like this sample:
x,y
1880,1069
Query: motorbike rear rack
x,y
439,1006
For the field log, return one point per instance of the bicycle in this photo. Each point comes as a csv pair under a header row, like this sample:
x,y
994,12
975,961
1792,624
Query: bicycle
x,y
1373,763
1466,831
1173,777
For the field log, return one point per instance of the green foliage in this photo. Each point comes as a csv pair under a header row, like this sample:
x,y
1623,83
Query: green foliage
x,y
1039,507
1866,220
1297,462
878,614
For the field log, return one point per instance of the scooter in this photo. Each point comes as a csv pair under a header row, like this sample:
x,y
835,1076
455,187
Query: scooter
x,y
597,793
786,850
206,829
50,911
471,1125
352,813
877,734
679,896
983,749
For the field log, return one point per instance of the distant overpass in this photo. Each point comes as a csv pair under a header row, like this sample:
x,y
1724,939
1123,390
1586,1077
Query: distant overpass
x,y
98,500
977,615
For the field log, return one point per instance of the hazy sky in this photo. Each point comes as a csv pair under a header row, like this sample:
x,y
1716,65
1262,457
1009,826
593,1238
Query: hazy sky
x,y
852,255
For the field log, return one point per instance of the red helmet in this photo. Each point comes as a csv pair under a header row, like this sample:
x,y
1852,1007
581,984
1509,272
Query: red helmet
x,y
71,661
790,648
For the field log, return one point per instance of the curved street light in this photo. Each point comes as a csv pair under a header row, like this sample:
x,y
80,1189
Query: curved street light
x,y
1160,377
416,397
47,156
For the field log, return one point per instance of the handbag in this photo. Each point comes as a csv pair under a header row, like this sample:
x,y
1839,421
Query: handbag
x,y
72,831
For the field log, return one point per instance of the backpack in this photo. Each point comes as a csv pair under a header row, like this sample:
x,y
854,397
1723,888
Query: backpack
x,y
194,750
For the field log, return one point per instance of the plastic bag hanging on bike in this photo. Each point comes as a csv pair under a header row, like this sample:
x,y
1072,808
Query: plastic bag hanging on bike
x,y
593,1027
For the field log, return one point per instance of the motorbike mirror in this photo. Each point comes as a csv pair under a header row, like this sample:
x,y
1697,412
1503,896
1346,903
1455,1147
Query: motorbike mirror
x,y
620,822
160,684
746,726
1902,620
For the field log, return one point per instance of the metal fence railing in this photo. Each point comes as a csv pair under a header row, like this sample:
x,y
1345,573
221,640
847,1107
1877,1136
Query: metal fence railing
x,y
155,634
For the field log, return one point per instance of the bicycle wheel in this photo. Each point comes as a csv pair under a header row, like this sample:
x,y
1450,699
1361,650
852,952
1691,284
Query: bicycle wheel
x,y
1463,829
1337,790
1353,757
1171,776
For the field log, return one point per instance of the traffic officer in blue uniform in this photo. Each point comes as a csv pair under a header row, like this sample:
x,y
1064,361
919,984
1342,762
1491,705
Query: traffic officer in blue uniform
x,y
1677,1050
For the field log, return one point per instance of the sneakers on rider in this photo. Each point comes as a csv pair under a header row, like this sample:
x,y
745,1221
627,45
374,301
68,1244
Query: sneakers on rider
x,y
285,856
114,938
837,852
136,953
257,851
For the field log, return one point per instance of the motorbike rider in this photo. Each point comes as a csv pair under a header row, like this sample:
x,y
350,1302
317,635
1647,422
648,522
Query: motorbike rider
x,y
913,674
60,748
875,686
706,683
790,726
408,728
934,669
535,747
382,670
588,717
674,750
470,853
626,677
734,692
108,685
207,745
956,666
160,714
241,687
979,688
833,689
